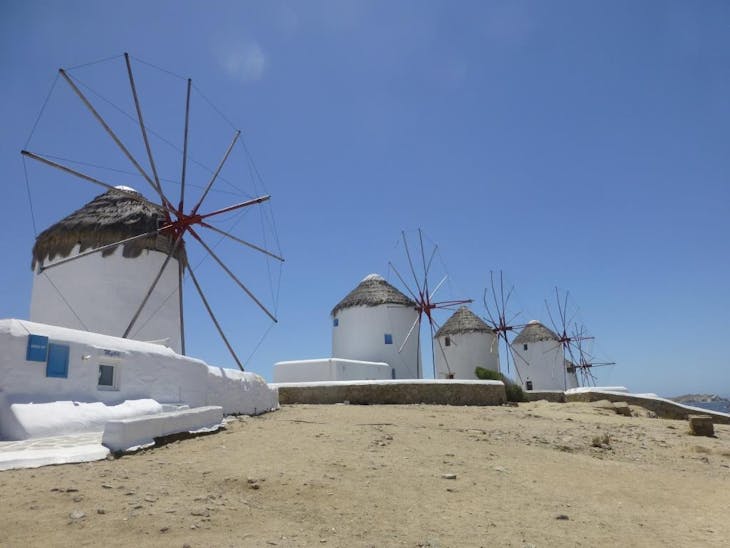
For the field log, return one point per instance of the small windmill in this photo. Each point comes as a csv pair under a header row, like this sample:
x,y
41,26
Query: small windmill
x,y
496,304
576,359
424,293
586,361
177,222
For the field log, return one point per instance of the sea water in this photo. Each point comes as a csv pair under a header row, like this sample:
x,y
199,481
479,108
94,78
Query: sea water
x,y
722,406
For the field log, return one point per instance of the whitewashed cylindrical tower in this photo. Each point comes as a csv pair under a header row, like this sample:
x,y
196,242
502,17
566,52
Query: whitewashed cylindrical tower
x,y
539,360
372,322
463,343
102,291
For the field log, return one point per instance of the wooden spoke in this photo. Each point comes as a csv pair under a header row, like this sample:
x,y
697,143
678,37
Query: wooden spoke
x,y
107,128
185,148
215,174
89,178
157,186
152,287
215,320
102,248
232,275
239,240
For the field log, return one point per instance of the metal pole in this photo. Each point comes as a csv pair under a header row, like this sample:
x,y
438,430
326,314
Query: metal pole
x,y
180,276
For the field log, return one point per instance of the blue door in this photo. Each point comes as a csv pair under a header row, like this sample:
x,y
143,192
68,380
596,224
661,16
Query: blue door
x,y
57,365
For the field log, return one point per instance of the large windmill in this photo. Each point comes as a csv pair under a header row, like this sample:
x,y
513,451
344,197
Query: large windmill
x,y
423,291
180,222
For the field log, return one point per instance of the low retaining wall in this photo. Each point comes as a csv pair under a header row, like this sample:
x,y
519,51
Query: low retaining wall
x,y
553,396
438,392
665,409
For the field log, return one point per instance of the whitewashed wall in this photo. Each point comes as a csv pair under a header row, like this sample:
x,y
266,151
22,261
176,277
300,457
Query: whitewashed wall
x,y
465,353
330,369
544,366
145,371
105,292
360,336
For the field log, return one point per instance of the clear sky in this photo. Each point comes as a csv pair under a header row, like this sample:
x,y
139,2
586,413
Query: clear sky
x,y
583,145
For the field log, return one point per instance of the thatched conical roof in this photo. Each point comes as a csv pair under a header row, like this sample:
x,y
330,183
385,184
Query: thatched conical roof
x,y
373,290
108,218
463,321
534,332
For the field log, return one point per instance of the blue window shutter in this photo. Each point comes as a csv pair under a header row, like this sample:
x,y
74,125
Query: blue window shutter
x,y
388,338
57,365
336,322
37,348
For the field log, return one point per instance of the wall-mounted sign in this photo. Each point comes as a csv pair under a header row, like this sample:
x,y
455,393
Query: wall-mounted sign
x,y
37,348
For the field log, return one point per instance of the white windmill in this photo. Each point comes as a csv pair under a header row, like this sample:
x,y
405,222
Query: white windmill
x,y
118,265
465,342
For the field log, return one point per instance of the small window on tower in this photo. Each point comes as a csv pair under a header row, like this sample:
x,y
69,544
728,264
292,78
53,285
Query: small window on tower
x,y
335,322
447,341
388,338
524,346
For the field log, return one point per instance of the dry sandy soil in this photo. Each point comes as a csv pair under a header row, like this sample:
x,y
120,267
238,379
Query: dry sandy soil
x,y
540,474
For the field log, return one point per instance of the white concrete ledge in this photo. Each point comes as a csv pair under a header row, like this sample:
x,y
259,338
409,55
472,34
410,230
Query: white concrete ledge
x,y
138,432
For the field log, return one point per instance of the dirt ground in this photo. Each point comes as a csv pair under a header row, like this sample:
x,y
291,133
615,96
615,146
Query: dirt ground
x,y
540,474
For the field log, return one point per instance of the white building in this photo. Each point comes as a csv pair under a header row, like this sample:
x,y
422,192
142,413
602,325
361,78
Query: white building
x,y
371,324
539,359
55,380
101,292
463,343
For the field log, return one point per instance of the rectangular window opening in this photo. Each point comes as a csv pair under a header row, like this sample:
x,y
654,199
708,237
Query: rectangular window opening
x,y
447,341
388,338
335,322
524,346
107,376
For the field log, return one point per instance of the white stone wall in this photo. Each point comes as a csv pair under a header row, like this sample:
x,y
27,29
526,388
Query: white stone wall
x,y
330,369
144,371
466,352
542,363
105,292
360,335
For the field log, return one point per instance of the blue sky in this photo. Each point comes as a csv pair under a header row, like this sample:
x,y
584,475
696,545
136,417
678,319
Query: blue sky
x,y
582,145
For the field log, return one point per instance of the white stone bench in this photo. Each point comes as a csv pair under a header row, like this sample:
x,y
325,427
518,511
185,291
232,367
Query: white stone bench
x,y
137,432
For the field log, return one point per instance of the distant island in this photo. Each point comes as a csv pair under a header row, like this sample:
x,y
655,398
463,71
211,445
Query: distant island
x,y
699,398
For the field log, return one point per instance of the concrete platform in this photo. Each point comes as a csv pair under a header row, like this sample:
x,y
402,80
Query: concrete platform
x,y
430,391
84,447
